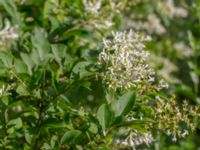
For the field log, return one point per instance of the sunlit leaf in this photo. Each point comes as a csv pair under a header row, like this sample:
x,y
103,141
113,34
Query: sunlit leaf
x,y
104,116
125,103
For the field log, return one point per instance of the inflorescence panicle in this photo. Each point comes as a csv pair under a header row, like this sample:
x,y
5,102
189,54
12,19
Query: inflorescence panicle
x,y
125,60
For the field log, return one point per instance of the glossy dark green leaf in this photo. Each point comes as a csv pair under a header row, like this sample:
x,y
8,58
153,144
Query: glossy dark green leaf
x,y
104,116
70,136
125,103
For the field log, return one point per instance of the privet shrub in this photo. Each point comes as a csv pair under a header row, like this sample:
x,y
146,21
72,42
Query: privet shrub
x,y
78,74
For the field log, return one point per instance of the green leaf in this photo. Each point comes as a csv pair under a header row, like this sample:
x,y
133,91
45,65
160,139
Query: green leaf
x,y
41,44
70,136
125,104
82,139
7,59
25,57
93,128
20,66
103,148
81,69
34,56
134,122
58,52
16,123
29,135
4,102
53,123
11,9
192,40
64,33
104,116
21,90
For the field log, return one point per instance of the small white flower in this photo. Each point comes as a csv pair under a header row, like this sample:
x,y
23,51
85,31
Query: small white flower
x,y
108,23
135,139
168,132
159,110
163,84
185,133
174,139
92,6
8,33
158,98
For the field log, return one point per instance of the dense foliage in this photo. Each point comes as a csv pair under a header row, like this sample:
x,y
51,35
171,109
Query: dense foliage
x,y
99,74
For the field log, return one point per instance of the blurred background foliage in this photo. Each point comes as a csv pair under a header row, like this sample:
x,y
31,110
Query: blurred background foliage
x,y
54,43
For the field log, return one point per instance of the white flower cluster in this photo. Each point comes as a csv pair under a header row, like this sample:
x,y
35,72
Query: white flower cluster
x,y
125,60
168,8
95,6
162,84
151,25
7,33
100,16
183,50
170,116
135,139
167,69
92,6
